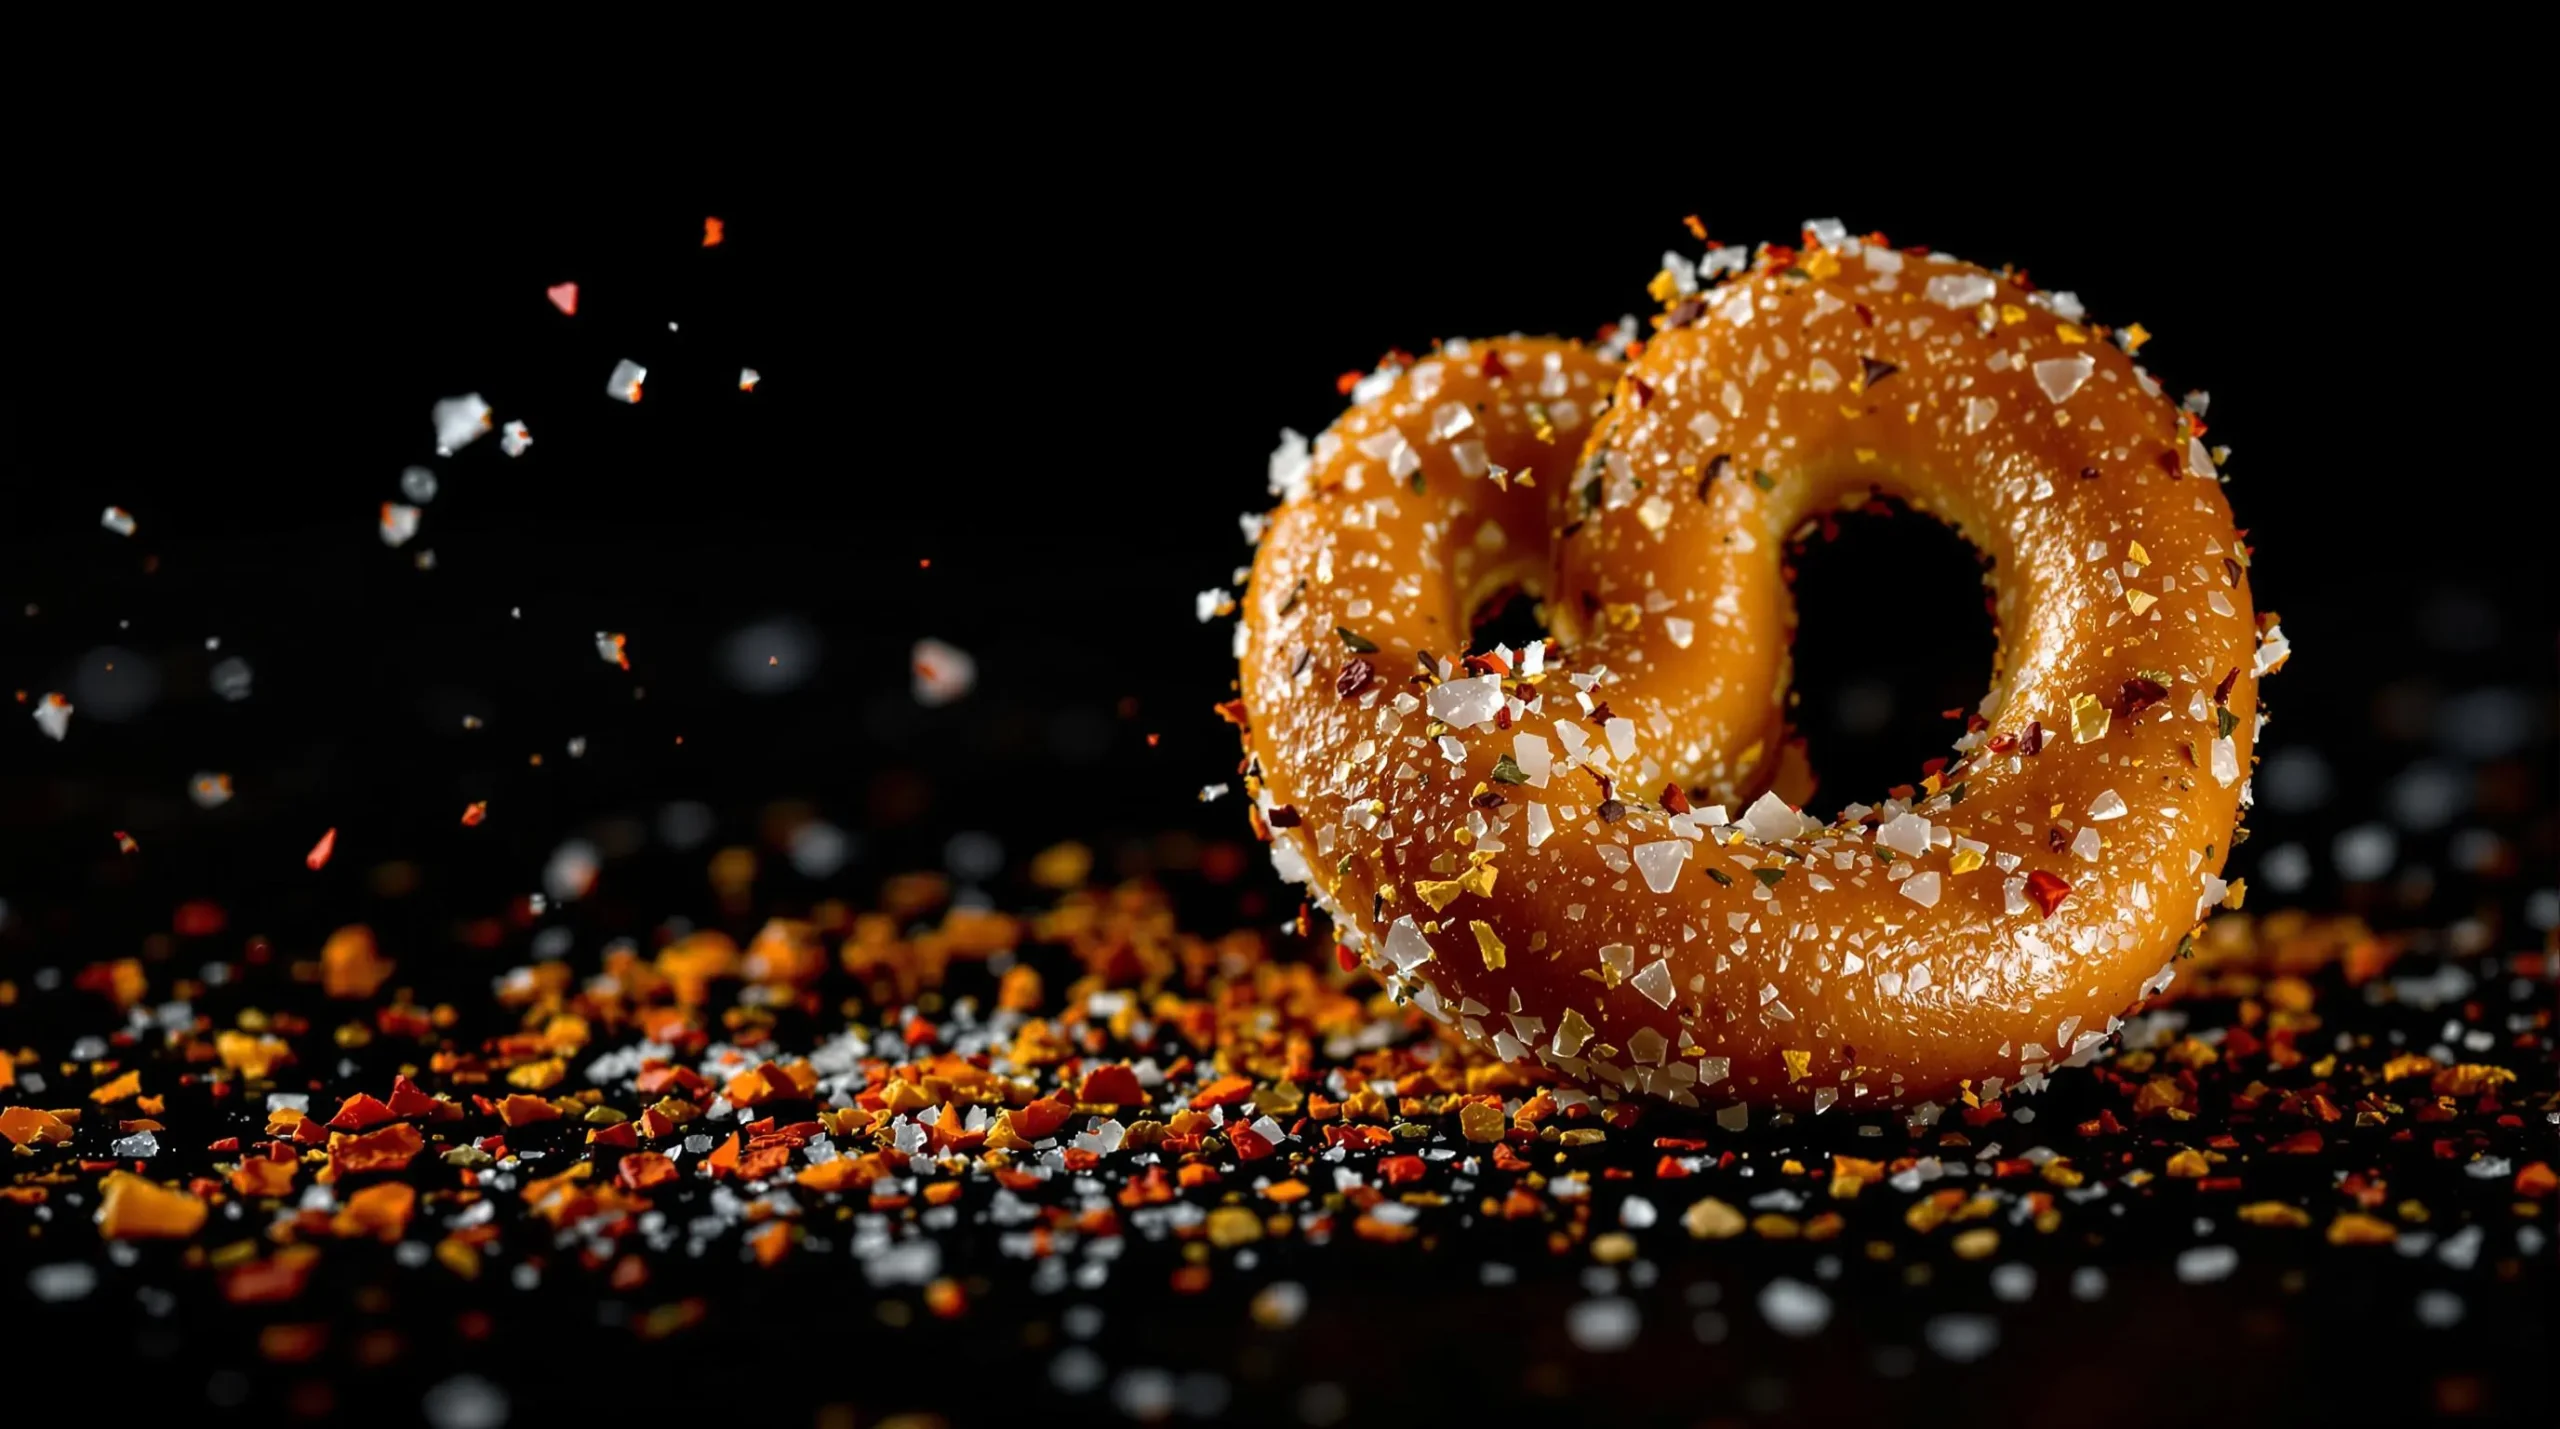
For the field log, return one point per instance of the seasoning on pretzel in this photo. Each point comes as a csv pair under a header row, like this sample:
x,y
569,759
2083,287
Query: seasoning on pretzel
x,y
1571,852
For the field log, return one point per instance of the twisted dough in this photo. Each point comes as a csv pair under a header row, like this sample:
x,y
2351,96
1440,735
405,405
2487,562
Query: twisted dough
x,y
1536,844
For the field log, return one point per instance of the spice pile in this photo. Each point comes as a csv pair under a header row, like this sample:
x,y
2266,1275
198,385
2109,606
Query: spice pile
x,y
1129,1169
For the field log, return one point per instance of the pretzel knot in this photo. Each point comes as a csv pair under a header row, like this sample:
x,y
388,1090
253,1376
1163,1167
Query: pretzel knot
x,y
1582,852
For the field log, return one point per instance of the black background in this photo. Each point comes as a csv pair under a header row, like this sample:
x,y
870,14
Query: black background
x,y
1057,379
1056,375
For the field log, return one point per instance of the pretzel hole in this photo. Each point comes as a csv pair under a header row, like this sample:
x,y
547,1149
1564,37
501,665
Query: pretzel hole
x,y
1893,629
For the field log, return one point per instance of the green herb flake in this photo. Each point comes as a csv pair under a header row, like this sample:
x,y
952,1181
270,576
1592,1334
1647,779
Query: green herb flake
x,y
1764,481
2224,721
1360,644
1769,876
1720,876
1506,770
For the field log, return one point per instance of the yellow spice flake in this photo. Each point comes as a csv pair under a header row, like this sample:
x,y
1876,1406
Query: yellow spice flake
x,y
2141,601
1488,942
1799,1065
2089,719
1964,860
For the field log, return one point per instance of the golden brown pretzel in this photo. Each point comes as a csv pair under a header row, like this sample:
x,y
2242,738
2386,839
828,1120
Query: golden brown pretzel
x,y
1524,840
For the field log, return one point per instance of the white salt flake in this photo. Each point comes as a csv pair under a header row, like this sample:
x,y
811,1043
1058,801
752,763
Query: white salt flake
x,y
1406,948
517,441
625,383
1960,290
943,673
1464,704
2108,805
1794,1308
1660,863
1922,888
398,524
53,716
118,520
2062,376
460,421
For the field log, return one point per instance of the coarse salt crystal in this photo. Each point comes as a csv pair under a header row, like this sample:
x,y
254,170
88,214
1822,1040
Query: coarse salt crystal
x,y
1922,888
2062,376
1406,948
460,421
1464,704
943,673
118,520
1906,834
1660,863
1770,820
625,383
1960,290
517,441
2108,805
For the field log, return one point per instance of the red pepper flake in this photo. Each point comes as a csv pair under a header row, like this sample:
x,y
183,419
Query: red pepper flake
x,y
1674,798
714,233
1347,381
318,858
2048,890
1115,1085
1250,1144
475,814
2139,694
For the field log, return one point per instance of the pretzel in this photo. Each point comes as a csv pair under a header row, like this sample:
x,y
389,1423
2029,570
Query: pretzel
x,y
1570,852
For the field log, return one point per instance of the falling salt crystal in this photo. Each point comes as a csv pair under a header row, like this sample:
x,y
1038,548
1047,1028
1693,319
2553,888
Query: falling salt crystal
x,y
1978,412
943,673
748,377
1681,631
1828,232
1603,1326
1211,793
578,747
2108,805
571,871
71,1280
460,421
140,1144
2207,1263
118,520
1962,1338
465,1401
1636,1213
563,296
230,679
624,384
2062,376
1655,983
2226,762
210,790
2088,1283
2085,844
609,648
399,523
1794,1308
2439,1309
53,716
517,440
418,483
